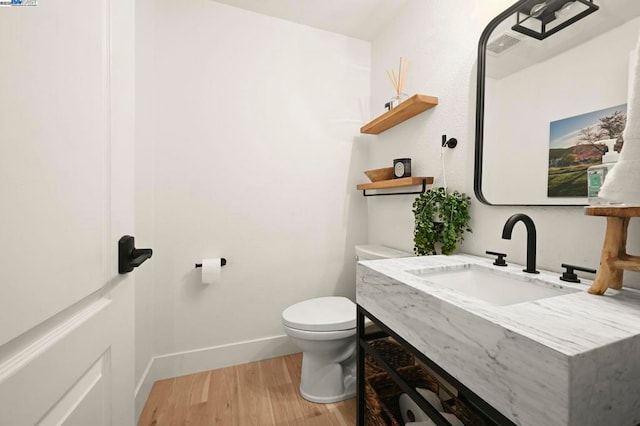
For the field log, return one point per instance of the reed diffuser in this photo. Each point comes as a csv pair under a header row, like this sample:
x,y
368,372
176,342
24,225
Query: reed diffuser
x,y
398,82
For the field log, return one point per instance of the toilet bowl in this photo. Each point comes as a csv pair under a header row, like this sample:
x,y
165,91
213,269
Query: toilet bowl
x,y
325,331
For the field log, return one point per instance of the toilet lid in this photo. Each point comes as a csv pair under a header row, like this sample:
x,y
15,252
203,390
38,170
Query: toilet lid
x,y
321,314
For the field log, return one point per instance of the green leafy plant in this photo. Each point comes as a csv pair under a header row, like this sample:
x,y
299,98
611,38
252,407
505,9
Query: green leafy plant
x,y
441,217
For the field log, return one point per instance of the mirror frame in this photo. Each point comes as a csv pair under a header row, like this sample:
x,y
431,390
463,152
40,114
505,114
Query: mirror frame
x,y
480,94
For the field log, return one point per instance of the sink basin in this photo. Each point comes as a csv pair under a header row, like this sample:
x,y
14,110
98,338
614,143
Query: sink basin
x,y
491,285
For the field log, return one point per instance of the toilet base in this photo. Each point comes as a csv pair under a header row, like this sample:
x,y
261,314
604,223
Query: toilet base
x,y
351,393
330,376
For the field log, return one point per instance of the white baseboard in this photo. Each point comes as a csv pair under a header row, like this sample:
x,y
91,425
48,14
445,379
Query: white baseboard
x,y
143,389
189,362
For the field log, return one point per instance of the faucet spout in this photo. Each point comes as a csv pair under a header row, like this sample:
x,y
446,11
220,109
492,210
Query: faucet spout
x,y
531,238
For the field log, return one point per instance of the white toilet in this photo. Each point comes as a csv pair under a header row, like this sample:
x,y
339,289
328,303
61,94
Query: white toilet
x,y
325,330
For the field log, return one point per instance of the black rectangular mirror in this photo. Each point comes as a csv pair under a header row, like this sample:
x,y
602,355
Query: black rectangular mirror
x,y
547,108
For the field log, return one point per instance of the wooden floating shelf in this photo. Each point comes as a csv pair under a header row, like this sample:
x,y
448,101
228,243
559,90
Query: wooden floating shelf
x,y
396,183
407,109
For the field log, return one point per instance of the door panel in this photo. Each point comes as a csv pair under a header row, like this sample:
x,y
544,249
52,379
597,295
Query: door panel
x,y
39,381
87,399
66,124
54,183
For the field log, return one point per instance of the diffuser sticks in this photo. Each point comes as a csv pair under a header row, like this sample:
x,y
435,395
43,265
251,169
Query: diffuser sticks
x,y
398,81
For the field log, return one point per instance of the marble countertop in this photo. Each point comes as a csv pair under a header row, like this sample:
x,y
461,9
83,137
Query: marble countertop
x,y
571,323
565,360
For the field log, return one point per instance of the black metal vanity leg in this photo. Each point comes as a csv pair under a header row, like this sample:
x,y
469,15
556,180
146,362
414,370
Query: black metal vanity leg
x,y
360,406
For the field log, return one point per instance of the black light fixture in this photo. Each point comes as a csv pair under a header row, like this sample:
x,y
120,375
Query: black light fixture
x,y
540,19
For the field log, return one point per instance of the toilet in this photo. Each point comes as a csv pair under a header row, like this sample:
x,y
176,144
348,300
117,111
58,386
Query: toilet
x,y
324,329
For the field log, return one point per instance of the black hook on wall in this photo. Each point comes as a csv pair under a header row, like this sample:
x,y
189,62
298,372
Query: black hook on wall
x,y
451,143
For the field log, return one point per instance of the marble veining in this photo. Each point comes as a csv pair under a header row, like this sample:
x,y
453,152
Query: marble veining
x,y
563,360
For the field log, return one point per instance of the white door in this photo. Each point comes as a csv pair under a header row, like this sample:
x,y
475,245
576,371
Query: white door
x,y
66,197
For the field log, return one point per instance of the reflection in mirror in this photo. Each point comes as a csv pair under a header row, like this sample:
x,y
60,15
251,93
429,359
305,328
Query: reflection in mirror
x,y
545,107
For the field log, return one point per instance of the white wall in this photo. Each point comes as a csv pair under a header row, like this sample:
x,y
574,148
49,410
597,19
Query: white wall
x,y
144,175
440,39
252,152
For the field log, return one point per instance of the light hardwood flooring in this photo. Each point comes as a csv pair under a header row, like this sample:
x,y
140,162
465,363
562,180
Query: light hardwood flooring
x,y
261,393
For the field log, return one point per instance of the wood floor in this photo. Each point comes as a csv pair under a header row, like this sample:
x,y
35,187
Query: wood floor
x,y
261,393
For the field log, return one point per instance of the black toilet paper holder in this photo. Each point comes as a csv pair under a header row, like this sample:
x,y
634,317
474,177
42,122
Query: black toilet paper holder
x,y
223,262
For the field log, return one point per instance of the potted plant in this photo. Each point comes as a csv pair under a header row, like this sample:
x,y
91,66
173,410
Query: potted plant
x,y
441,217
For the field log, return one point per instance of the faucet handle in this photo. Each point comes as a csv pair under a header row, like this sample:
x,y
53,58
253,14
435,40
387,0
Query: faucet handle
x,y
500,260
570,276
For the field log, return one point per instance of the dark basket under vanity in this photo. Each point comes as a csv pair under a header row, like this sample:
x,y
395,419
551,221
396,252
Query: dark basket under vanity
x,y
382,393
389,366
378,413
382,397
393,354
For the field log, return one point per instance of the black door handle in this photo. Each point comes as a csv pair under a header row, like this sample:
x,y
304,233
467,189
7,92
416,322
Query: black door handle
x,y
129,256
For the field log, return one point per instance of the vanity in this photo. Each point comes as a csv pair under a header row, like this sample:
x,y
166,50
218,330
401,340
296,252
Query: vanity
x,y
520,348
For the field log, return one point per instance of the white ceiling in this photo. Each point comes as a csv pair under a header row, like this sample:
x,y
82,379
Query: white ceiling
x,y
362,19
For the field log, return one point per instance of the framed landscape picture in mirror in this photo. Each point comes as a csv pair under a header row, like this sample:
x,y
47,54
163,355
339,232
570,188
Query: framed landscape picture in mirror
x,y
579,142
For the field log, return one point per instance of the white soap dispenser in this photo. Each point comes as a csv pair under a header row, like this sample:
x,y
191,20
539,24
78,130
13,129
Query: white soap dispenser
x,y
597,174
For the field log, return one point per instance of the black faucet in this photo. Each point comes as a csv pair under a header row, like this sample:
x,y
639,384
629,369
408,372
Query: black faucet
x,y
531,238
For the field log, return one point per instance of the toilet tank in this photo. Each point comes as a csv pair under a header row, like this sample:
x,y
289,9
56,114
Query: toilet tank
x,y
378,252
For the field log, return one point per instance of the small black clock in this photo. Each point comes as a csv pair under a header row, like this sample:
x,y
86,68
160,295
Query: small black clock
x,y
401,168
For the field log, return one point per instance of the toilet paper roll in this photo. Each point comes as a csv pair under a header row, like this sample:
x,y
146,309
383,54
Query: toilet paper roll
x,y
211,270
453,420
427,423
410,411
431,398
